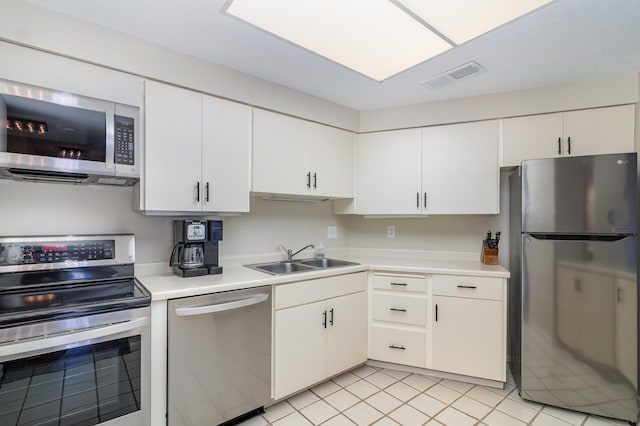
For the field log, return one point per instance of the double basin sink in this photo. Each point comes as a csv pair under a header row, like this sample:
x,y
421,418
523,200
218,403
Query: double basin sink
x,y
304,265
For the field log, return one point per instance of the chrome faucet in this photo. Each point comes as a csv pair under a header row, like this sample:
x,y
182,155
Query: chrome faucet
x,y
290,252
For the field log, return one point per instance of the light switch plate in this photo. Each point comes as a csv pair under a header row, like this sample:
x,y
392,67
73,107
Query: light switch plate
x,y
332,232
391,231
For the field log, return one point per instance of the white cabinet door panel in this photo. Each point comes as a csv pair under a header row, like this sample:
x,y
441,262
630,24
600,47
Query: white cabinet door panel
x,y
346,332
599,131
531,137
332,161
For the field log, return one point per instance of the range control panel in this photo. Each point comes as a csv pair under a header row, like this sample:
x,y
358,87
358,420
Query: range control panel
x,y
23,253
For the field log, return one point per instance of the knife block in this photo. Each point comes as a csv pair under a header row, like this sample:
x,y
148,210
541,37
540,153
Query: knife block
x,y
488,256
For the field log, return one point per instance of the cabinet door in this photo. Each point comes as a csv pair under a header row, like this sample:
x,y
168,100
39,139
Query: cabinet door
x,y
531,137
280,154
460,173
299,348
173,135
600,130
468,337
226,155
332,161
346,332
388,172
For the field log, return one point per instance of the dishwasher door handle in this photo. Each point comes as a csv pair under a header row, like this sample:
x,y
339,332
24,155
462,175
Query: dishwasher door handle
x,y
220,307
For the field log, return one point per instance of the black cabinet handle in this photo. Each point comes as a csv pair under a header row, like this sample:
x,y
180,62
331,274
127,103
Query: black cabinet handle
x,y
397,347
398,309
436,312
417,200
466,286
309,180
569,145
198,192
315,180
207,192
400,284
324,319
331,320
559,146
425,200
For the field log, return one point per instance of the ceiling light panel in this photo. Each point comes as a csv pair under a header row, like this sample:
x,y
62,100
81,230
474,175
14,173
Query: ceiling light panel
x,y
372,37
463,20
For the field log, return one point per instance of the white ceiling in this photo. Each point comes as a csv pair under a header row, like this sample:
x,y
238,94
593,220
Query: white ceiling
x,y
567,41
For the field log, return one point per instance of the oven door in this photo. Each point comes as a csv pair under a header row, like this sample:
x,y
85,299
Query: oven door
x,y
89,370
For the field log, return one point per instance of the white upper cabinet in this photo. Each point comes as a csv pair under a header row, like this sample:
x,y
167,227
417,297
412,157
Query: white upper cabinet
x,y
585,132
460,173
389,172
297,157
450,169
197,152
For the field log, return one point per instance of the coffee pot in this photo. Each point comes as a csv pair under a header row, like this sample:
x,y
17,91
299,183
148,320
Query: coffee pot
x,y
187,256
195,250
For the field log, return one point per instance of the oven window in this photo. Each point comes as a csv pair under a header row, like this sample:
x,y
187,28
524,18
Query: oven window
x,y
79,386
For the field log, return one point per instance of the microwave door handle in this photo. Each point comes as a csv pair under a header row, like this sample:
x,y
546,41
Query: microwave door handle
x,y
27,348
220,307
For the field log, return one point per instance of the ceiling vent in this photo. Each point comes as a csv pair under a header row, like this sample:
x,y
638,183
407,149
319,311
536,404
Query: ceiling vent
x,y
453,75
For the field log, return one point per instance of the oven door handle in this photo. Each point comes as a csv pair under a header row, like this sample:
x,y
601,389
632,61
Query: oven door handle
x,y
69,340
219,307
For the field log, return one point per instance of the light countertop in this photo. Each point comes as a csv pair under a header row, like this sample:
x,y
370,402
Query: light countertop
x,y
166,285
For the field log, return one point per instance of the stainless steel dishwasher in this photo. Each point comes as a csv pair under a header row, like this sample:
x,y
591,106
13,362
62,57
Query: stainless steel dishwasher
x,y
219,358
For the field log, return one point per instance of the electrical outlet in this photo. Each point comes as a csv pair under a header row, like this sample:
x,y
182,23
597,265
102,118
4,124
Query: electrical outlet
x,y
332,232
391,231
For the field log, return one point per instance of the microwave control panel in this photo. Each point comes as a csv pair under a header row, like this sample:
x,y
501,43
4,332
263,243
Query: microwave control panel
x,y
55,251
124,140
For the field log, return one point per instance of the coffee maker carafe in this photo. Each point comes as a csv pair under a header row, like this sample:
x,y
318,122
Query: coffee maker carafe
x,y
195,250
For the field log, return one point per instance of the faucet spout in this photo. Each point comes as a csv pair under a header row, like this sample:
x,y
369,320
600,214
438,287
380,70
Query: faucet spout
x,y
305,247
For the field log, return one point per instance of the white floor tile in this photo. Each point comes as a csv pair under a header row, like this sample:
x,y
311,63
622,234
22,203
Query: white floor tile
x,y
471,407
604,421
544,419
345,379
303,399
451,416
517,410
339,420
342,400
457,386
571,417
401,391
485,396
498,418
383,402
319,412
363,414
362,389
293,419
409,416
278,411
504,391
386,421
381,379
427,404
326,388
364,371
396,373
420,382
443,393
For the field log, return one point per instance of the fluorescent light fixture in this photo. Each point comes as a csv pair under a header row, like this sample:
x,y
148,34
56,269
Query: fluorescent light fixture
x,y
463,20
378,38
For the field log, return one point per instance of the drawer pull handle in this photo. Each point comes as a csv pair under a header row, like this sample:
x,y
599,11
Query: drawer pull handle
x,y
398,309
397,347
401,284
466,286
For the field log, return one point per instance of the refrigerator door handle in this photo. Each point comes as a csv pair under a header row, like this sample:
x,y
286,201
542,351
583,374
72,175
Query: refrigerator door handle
x,y
579,237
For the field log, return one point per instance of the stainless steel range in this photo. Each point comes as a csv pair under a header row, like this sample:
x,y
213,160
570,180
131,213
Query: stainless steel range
x,y
74,330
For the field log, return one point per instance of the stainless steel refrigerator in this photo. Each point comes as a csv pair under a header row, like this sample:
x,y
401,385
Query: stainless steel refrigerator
x,y
573,323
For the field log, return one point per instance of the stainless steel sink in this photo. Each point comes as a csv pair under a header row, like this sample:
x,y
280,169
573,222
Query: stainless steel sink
x,y
325,263
304,265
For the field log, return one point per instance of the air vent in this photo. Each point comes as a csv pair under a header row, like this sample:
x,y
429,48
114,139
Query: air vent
x,y
453,75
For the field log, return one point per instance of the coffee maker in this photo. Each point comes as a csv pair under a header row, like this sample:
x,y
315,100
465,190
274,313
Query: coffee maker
x,y
195,249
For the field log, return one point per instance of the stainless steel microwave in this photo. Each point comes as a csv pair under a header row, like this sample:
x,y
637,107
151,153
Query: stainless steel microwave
x,y
57,136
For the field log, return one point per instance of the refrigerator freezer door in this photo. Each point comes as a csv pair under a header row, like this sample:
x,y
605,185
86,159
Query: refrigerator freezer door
x,y
579,325
580,195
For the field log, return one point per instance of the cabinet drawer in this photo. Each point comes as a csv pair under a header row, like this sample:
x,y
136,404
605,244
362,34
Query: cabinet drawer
x,y
399,308
398,346
299,293
400,282
468,286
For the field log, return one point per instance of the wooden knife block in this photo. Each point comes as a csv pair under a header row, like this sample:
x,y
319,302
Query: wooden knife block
x,y
488,256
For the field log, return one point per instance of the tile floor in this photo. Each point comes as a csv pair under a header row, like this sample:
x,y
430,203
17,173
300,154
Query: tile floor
x,y
373,396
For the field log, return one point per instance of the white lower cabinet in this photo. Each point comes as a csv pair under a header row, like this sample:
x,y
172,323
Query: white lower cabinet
x,y
320,329
468,328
